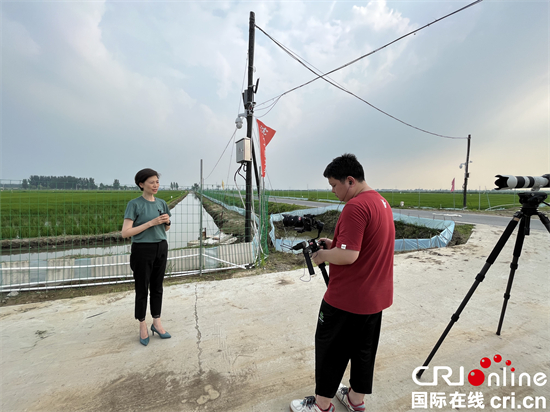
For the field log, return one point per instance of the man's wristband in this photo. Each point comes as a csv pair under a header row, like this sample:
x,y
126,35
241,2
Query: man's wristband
x,y
169,223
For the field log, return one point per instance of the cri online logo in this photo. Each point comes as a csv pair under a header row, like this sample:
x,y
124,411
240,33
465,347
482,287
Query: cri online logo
x,y
476,377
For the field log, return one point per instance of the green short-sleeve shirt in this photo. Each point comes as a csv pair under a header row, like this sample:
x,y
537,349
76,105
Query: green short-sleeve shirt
x,y
142,211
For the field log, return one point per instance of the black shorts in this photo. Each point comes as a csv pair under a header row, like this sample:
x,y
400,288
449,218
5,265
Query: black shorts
x,y
342,337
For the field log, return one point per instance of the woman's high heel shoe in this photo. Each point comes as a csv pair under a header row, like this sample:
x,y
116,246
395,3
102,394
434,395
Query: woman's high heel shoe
x,y
164,335
145,341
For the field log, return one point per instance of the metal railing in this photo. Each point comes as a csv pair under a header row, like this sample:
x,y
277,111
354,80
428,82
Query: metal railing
x,y
58,238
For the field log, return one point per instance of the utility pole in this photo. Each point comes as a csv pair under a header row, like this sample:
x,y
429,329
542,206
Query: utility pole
x,y
466,174
200,226
248,98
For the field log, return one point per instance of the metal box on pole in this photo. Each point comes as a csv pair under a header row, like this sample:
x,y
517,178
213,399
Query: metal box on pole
x,y
244,153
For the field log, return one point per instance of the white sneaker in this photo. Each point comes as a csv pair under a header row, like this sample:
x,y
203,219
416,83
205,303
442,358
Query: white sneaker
x,y
307,405
342,395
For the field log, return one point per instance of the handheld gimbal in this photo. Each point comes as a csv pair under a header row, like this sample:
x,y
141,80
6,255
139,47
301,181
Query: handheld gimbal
x,y
302,224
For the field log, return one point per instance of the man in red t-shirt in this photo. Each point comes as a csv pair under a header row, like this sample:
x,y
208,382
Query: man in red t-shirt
x,y
360,287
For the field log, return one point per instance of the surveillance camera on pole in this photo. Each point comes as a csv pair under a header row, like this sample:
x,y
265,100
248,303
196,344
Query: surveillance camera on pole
x,y
239,120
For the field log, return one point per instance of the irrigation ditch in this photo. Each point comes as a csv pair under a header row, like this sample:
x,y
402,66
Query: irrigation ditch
x,y
234,222
226,220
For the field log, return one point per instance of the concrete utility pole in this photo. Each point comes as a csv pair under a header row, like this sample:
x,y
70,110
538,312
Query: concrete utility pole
x,y
200,227
248,98
466,174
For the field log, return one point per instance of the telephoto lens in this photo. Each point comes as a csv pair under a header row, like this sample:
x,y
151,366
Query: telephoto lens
x,y
522,182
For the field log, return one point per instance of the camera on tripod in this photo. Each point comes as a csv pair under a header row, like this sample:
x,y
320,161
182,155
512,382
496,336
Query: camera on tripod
x,y
303,224
530,202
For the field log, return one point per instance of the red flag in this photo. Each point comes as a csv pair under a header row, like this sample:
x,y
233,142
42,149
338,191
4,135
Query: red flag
x,y
453,185
266,134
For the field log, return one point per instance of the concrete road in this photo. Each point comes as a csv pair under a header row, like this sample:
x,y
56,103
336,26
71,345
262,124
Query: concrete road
x,y
246,344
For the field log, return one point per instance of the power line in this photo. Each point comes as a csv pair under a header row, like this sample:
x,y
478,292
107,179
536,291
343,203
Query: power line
x,y
323,76
235,131
242,86
226,146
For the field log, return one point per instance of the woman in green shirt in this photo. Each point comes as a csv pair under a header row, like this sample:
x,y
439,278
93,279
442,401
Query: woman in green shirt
x,y
146,221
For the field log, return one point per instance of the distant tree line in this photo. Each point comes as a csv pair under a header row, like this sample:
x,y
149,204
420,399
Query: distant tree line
x,y
58,182
73,183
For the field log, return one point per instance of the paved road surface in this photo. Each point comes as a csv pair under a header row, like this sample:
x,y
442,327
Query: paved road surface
x,y
247,344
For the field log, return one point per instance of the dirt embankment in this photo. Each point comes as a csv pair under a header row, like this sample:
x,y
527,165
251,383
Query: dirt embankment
x,y
233,222
402,230
228,222
71,241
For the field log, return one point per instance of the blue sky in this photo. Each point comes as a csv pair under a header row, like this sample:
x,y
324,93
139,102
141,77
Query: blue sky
x,y
103,89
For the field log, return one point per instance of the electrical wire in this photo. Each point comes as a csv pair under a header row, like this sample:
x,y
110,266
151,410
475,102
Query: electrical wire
x,y
390,43
254,225
323,76
235,131
230,160
269,107
226,146
237,186
242,85
328,80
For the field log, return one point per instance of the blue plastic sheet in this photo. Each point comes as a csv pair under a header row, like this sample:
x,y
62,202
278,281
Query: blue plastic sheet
x,y
401,245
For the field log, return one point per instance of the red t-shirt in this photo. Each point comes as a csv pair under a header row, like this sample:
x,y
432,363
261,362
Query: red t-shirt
x,y
366,286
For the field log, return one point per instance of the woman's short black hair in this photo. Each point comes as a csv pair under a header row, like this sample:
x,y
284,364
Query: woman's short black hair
x,y
342,167
143,175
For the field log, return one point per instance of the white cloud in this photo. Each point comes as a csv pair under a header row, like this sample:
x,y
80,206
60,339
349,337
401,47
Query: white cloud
x,y
94,87
82,31
138,76
16,38
379,17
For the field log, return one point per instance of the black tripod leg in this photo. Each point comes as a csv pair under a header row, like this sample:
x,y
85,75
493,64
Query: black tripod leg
x,y
523,230
479,278
544,220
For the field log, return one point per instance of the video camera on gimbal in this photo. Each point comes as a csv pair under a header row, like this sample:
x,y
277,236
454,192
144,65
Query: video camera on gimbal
x,y
303,224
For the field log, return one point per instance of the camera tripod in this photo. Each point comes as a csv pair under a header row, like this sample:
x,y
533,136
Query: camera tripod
x,y
530,203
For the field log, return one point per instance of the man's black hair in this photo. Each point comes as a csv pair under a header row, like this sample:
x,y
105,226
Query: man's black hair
x,y
143,175
344,166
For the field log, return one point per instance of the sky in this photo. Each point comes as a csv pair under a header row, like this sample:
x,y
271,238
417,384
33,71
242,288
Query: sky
x,y
103,89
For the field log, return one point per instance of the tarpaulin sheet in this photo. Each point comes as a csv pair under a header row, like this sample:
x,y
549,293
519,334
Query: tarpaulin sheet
x,y
401,245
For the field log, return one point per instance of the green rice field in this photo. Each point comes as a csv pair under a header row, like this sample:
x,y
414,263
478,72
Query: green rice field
x,y
419,199
38,213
